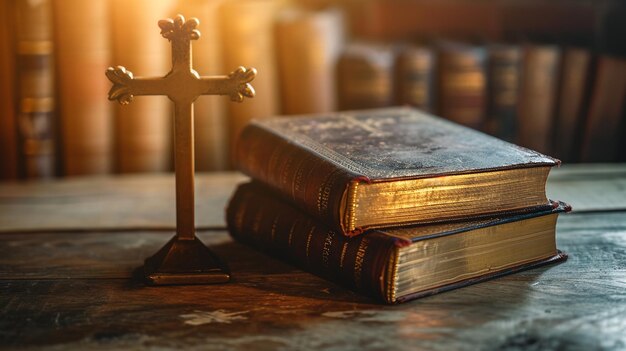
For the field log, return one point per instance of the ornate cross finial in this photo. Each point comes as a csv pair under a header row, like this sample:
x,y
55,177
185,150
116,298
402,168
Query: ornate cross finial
x,y
184,260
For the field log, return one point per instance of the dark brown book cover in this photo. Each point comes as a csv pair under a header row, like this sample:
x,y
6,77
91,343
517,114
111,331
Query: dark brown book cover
x,y
35,82
537,104
602,126
313,160
415,71
365,76
257,217
8,130
572,102
504,71
462,84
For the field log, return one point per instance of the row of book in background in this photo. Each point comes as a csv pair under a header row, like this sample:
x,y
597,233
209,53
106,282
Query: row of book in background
x,y
55,118
565,102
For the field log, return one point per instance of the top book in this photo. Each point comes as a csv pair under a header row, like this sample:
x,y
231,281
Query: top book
x,y
388,167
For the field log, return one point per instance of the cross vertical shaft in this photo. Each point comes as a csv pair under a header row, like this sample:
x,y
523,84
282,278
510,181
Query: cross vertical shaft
x,y
184,260
184,168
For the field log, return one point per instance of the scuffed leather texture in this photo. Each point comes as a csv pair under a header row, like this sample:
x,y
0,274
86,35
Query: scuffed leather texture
x,y
382,144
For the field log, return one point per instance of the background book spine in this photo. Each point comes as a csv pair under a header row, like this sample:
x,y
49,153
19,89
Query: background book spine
x,y
308,44
247,39
211,128
142,129
601,132
35,80
415,70
365,76
258,219
8,118
504,82
540,67
311,182
82,54
572,102
463,84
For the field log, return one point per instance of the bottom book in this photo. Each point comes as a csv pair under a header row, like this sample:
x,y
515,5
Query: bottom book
x,y
399,264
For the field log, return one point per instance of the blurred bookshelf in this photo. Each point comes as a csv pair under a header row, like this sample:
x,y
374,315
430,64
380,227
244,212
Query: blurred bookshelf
x,y
548,75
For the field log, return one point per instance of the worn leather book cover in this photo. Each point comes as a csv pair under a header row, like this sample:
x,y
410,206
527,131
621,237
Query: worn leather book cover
x,y
383,263
504,75
85,114
573,102
538,96
392,160
365,76
308,44
415,75
8,119
601,134
36,122
462,83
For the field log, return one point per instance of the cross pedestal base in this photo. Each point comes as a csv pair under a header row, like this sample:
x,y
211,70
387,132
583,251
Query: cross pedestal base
x,y
185,262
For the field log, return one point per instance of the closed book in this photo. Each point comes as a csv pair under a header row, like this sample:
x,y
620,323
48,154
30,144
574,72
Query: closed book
x,y
308,44
388,167
143,128
35,80
572,102
82,53
504,71
462,84
415,70
247,39
395,265
8,119
365,76
537,104
606,109
210,124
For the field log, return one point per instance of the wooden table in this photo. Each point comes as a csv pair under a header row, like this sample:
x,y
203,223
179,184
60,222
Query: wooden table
x,y
68,250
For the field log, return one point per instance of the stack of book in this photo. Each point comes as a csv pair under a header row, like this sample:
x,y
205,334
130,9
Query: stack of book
x,y
393,202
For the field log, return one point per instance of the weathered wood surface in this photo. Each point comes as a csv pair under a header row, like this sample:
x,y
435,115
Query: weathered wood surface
x,y
588,188
113,203
75,291
147,201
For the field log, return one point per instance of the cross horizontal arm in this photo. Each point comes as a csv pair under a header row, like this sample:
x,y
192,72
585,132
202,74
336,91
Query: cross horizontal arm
x,y
125,86
235,85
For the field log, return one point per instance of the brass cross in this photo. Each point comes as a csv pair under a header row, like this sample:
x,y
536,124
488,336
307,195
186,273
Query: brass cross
x,y
184,260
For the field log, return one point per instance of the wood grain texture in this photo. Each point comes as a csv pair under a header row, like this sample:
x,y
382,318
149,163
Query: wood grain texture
x,y
113,203
78,295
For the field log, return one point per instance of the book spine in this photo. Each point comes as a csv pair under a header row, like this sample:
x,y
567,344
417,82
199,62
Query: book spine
x,y
504,79
82,55
211,128
463,85
540,69
143,128
572,102
308,44
365,77
247,39
601,131
415,77
35,121
8,135
313,183
256,218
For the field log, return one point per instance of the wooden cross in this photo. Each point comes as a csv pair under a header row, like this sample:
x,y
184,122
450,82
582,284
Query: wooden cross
x,y
184,260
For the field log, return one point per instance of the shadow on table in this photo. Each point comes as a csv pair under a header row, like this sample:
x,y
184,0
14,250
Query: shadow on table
x,y
267,275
